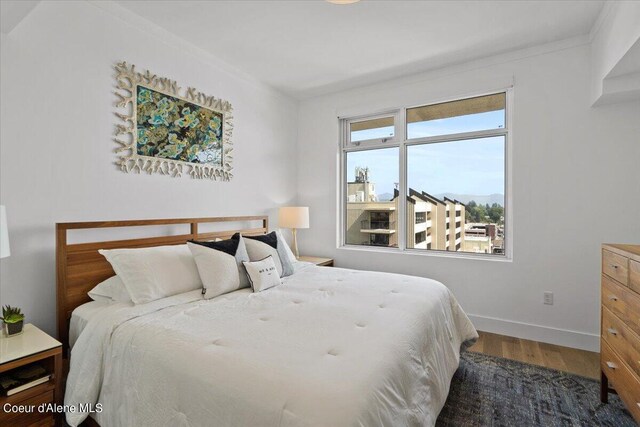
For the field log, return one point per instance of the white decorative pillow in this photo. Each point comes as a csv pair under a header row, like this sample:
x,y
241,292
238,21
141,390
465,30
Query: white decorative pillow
x,y
153,273
272,244
110,290
262,274
220,265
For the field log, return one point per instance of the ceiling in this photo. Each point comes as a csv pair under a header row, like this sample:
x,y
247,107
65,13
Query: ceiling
x,y
307,48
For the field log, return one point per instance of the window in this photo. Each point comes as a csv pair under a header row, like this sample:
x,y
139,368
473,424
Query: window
x,y
379,240
382,128
452,177
371,193
466,115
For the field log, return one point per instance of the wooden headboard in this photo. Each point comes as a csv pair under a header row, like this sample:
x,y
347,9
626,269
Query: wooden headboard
x,y
79,266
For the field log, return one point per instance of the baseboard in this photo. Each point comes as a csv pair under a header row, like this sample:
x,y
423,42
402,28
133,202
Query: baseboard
x,y
563,337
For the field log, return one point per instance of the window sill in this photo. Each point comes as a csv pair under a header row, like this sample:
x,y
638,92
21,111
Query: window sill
x,y
428,253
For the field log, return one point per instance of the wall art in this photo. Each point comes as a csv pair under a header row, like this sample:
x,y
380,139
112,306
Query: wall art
x,y
171,131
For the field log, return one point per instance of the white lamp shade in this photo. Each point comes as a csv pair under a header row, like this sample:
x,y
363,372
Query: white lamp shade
x,y
5,251
293,217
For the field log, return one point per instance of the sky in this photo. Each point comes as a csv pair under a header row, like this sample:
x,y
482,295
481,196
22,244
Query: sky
x,y
462,167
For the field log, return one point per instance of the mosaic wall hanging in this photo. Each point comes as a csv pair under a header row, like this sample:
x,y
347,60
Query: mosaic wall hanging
x,y
171,131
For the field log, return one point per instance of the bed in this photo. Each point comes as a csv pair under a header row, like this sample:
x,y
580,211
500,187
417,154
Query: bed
x,y
328,347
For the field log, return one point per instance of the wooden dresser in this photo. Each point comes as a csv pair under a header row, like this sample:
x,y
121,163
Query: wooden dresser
x,y
620,338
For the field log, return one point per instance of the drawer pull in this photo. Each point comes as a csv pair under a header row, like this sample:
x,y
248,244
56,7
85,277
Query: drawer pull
x,y
613,266
612,331
613,298
611,365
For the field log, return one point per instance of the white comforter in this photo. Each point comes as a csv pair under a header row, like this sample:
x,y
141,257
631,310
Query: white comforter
x,y
329,347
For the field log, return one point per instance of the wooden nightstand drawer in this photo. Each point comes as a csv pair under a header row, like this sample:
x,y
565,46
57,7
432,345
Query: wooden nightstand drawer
x,y
33,420
615,266
31,415
622,340
48,421
622,302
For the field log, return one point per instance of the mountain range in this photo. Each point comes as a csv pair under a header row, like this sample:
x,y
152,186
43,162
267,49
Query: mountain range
x,y
481,200
464,198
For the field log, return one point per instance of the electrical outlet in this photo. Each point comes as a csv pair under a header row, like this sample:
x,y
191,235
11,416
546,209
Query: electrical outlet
x,y
548,298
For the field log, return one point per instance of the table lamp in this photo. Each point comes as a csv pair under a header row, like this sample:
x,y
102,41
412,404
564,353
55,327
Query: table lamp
x,y
294,217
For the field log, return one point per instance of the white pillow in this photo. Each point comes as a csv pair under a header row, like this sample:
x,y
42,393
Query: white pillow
x,y
262,274
272,244
259,250
110,290
153,273
220,265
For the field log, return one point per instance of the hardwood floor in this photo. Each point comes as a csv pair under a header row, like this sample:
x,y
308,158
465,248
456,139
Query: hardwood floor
x,y
581,362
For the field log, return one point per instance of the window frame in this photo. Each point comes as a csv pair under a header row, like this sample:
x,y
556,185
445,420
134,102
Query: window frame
x,y
375,141
401,141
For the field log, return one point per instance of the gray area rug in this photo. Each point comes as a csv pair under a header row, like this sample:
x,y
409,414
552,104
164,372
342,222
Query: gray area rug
x,y
492,391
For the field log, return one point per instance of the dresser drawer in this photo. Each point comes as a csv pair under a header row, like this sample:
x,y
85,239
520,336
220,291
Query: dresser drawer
x,y
622,302
634,275
626,384
622,340
615,266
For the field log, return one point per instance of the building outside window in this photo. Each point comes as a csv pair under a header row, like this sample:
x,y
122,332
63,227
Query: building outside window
x,y
452,179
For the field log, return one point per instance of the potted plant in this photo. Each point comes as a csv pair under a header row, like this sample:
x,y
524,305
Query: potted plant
x,y
13,320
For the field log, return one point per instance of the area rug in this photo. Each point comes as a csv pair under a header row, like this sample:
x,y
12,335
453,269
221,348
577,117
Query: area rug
x,y
492,391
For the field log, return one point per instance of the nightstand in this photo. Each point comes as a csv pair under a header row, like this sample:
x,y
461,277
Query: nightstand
x,y
327,262
31,346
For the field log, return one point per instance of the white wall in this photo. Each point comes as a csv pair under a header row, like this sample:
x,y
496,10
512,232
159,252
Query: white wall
x,y
57,123
576,184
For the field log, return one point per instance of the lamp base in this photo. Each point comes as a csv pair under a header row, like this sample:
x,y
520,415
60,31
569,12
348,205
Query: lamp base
x,y
295,243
